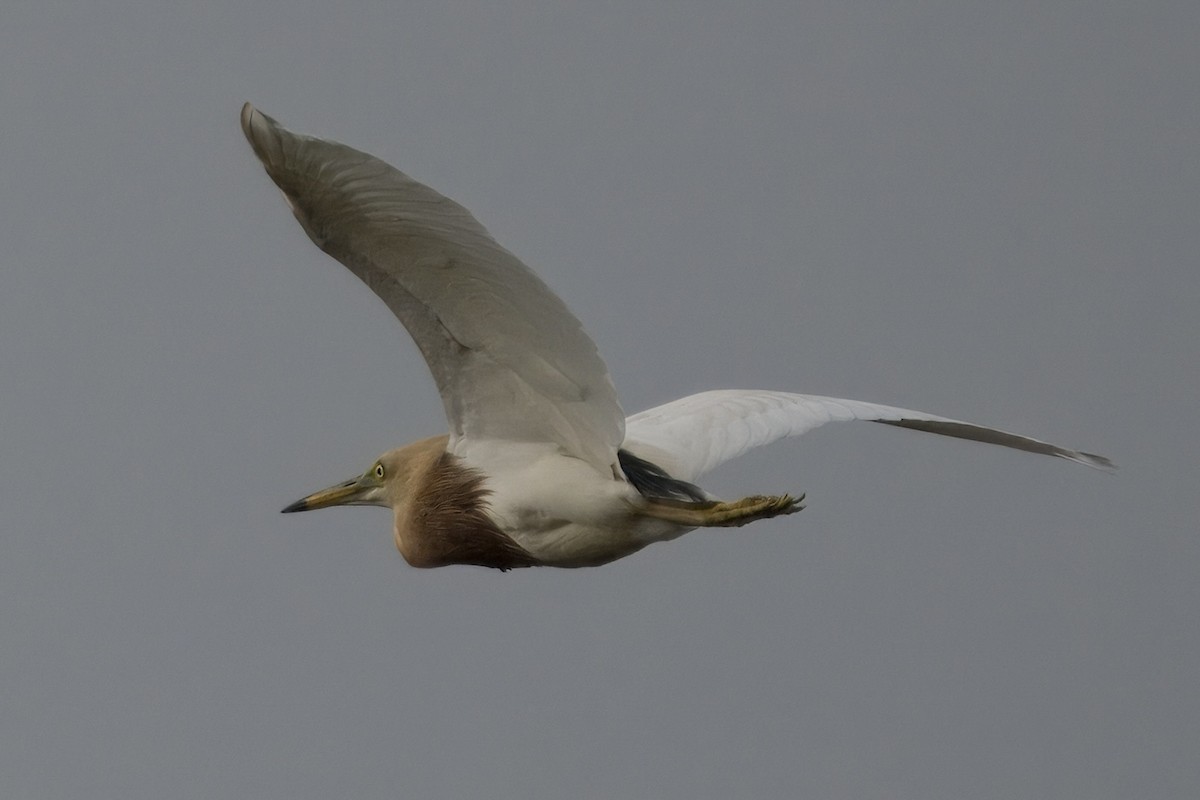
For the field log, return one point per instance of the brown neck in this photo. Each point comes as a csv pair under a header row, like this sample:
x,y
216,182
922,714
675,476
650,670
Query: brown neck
x,y
444,522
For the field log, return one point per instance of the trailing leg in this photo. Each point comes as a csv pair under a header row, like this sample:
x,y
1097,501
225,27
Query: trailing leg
x,y
710,514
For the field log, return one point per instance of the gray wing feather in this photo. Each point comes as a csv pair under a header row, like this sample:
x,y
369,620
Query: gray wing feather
x,y
510,360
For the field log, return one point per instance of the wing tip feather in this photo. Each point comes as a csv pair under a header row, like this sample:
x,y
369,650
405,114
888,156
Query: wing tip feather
x,y
262,132
1102,463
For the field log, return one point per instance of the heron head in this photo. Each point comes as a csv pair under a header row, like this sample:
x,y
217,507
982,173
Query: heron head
x,y
388,482
378,486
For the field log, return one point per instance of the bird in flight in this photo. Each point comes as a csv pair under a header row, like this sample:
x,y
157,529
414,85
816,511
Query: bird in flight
x,y
541,467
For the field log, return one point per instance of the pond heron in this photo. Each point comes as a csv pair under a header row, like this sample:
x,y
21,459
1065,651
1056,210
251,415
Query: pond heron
x,y
540,466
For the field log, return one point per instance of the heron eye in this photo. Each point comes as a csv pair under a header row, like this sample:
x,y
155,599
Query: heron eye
x,y
379,471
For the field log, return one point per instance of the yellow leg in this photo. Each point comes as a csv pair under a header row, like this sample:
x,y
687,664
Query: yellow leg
x,y
723,515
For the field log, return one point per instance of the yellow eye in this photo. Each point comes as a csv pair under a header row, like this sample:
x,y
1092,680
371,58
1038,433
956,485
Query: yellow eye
x,y
379,471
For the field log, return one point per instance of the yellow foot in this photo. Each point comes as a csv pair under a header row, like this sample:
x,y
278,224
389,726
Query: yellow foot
x,y
724,515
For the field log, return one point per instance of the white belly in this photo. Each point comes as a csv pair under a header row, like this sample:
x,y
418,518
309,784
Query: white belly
x,y
561,510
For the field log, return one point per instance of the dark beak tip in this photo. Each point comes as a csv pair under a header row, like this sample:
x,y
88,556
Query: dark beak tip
x,y
299,505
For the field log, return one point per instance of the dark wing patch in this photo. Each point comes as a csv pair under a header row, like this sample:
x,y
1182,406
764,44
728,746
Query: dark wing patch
x,y
653,481
975,433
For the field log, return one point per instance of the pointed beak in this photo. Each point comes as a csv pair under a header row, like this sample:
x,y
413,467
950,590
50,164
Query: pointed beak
x,y
349,493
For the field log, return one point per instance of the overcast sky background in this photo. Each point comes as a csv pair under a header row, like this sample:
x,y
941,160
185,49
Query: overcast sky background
x,y
980,210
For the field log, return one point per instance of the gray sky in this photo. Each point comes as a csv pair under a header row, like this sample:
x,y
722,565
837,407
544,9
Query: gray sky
x,y
974,210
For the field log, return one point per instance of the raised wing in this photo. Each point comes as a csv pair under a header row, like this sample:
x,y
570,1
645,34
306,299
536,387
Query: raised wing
x,y
691,436
510,361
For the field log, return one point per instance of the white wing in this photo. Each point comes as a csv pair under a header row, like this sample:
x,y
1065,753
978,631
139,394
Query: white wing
x,y
691,436
510,361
